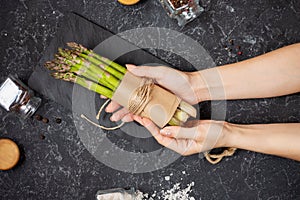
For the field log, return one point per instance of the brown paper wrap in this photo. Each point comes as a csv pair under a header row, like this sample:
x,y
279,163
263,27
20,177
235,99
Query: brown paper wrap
x,y
161,106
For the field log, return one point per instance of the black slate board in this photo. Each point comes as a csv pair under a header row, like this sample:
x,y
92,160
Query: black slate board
x,y
78,29
78,99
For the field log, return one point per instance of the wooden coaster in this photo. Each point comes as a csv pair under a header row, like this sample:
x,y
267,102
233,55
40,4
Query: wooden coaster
x,y
9,154
128,2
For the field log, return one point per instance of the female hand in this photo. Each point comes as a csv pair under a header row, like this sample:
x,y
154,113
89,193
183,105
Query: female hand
x,y
200,136
180,83
183,140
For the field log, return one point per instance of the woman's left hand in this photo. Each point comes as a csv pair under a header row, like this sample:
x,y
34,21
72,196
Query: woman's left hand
x,y
200,136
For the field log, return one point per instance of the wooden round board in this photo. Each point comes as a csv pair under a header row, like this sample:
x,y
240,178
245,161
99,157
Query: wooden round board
x,y
128,2
9,154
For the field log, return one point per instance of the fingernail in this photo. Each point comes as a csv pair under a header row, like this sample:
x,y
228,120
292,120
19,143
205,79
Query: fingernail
x,y
130,67
112,118
165,132
103,97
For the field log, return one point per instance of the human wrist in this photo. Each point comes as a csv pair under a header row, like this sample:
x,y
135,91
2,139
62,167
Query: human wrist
x,y
243,136
224,134
199,86
224,138
232,135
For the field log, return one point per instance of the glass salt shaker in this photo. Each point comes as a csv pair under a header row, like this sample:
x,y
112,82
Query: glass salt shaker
x,y
184,11
16,97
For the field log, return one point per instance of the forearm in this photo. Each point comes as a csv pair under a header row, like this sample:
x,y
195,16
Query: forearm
x,y
275,139
273,74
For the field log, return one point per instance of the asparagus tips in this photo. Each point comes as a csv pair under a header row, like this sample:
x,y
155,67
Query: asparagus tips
x,y
82,50
49,65
73,61
69,76
76,46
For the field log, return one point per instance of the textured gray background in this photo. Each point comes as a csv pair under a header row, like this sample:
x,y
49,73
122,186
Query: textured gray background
x,y
59,167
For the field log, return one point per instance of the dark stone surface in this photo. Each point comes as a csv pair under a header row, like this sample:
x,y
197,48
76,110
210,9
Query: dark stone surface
x,y
59,166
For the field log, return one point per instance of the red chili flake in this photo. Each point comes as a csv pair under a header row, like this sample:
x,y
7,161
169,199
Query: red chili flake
x,y
240,53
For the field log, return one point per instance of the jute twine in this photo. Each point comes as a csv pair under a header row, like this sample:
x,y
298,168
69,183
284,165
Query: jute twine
x,y
138,100
216,158
98,117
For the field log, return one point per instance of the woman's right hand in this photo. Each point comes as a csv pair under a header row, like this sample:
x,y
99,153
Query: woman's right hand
x,y
182,84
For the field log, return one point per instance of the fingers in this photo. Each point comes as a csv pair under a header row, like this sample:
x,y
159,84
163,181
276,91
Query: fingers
x,y
153,129
112,107
181,132
128,118
181,146
147,123
119,114
103,97
147,71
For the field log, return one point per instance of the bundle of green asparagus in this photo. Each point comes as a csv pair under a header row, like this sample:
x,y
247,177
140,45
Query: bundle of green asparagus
x,y
101,75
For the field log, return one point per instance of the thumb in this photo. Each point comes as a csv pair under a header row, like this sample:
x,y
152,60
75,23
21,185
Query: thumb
x,y
180,132
146,71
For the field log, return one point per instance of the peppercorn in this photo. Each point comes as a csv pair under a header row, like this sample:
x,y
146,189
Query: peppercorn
x,y
45,120
58,120
38,117
179,3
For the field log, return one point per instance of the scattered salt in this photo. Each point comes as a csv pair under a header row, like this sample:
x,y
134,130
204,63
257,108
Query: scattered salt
x,y
167,178
175,193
